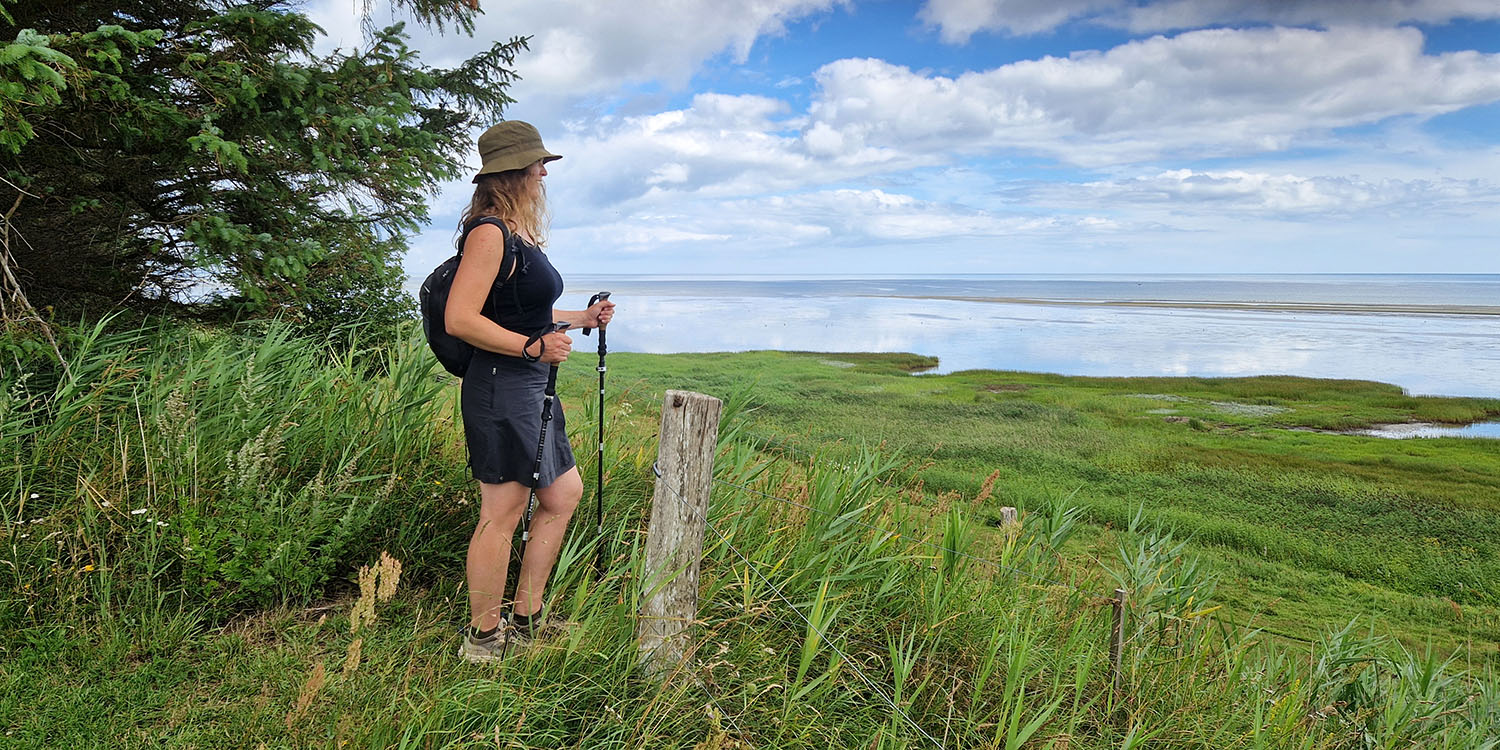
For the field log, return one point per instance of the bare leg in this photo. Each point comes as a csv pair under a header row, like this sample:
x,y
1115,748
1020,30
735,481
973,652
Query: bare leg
x,y
500,508
555,504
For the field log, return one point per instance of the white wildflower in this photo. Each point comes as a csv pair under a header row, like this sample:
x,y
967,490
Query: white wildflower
x,y
137,511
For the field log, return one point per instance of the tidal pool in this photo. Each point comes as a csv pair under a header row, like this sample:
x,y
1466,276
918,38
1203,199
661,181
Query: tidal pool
x,y
1489,430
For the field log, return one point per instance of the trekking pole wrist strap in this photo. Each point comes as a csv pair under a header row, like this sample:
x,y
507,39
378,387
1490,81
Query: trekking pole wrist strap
x,y
535,339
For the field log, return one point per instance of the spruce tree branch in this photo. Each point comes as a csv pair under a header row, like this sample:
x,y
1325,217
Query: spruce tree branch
x,y
17,295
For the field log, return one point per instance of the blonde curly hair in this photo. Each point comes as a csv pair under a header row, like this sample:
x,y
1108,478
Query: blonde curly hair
x,y
514,197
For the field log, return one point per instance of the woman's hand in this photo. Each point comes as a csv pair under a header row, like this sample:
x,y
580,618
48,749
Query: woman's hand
x,y
554,347
599,315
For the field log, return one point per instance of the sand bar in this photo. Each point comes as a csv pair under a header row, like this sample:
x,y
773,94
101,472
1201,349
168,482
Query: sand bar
x,y
1354,308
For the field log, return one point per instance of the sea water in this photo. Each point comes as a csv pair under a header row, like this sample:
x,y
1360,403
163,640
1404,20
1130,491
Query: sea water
x,y
1429,334
1489,430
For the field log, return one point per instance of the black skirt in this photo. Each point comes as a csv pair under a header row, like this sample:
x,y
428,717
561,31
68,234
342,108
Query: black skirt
x,y
502,409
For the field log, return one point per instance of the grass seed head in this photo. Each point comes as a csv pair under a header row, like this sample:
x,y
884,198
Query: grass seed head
x,y
310,690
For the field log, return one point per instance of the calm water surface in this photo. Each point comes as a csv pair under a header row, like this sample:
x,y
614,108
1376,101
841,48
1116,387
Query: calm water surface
x,y
1446,354
1490,430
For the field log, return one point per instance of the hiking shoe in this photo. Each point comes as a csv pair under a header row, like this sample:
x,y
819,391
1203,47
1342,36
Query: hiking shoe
x,y
492,648
523,629
551,630
482,650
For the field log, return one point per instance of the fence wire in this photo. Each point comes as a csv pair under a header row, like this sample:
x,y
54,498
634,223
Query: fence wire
x,y
787,447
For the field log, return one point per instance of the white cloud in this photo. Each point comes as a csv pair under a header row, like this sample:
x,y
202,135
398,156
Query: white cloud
x,y
1220,92
1186,14
643,234
582,48
735,176
847,218
958,20
862,218
718,145
1270,195
1211,92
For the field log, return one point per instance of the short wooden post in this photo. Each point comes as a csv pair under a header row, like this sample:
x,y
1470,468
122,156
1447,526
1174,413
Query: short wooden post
x,y
1009,516
1117,640
674,540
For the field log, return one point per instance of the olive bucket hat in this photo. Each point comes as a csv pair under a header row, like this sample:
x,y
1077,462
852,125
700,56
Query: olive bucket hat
x,y
508,145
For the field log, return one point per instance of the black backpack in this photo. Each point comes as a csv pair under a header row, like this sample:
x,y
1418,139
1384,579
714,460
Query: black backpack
x,y
453,352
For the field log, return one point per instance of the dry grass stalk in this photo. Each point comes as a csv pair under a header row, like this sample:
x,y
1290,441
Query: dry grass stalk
x,y
376,583
945,501
918,492
310,689
390,575
986,490
351,660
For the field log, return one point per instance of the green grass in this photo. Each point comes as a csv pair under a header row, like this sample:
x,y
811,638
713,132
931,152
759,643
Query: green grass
x,y
1310,529
281,466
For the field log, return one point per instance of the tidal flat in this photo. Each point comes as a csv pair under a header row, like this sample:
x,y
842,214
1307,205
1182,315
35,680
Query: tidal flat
x,y
1431,335
1307,530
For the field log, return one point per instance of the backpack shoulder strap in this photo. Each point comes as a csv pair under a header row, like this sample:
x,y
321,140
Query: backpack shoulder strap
x,y
508,262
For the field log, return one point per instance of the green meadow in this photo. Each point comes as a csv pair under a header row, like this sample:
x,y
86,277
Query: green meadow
x,y
1306,529
256,539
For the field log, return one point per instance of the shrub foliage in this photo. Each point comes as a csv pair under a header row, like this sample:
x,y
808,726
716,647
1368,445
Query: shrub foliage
x,y
199,158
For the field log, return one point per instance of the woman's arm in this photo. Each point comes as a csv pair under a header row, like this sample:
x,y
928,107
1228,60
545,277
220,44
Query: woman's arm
x,y
483,250
574,318
596,316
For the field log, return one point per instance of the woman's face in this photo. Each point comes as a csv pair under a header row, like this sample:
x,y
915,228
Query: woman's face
x,y
531,179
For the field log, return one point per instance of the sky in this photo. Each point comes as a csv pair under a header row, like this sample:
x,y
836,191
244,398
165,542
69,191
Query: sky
x,y
846,137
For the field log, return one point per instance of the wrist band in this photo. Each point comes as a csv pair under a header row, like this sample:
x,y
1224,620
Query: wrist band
x,y
533,340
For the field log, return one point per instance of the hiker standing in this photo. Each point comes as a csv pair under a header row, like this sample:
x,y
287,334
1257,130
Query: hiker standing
x,y
501,302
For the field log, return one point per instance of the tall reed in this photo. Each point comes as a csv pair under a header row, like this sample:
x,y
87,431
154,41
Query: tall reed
x,y
213,470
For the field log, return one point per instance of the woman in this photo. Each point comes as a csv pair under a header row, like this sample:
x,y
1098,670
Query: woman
x,y
502,389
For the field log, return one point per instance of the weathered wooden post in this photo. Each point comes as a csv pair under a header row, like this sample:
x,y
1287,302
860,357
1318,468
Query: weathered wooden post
x,y
674,540
1117,640
1009,516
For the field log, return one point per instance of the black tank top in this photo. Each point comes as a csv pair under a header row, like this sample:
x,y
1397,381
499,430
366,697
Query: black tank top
x,y
523,302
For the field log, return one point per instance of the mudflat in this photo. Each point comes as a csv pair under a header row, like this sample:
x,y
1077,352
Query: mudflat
x,y
1300,307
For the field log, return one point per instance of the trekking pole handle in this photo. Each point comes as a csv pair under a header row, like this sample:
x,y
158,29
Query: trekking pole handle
x,y
540,336
551,390
600,297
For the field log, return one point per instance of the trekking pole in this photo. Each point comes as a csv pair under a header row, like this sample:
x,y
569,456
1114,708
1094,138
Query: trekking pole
x,y
599,482
548,396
